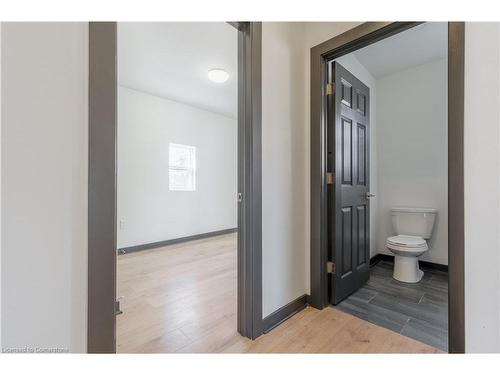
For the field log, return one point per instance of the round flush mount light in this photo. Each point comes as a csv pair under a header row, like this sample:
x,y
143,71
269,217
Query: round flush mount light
x,y
218,75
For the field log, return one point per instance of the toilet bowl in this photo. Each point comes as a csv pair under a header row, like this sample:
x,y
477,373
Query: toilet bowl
x,y
412,226
406,251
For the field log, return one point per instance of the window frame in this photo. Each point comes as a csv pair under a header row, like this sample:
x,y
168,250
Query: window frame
x,y
191,169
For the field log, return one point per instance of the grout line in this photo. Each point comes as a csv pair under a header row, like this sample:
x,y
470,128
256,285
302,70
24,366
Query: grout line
x,y
371,299
421,298
404,325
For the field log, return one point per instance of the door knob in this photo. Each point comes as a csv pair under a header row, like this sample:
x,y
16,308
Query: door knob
x,y
369,195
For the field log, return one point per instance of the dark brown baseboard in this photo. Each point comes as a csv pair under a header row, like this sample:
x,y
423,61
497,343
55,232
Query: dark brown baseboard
x,y
390,258
154,245
285,312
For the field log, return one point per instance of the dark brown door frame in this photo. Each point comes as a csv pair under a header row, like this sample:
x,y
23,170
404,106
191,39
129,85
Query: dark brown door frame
x,y
250,178
101,324
356,38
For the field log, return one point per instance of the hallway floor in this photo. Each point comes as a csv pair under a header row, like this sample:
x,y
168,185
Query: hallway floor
x,y
182,298
419,310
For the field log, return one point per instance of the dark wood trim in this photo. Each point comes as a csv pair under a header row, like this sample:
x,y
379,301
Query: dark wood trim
x,y
390,258
434,266
456,238
156,245
377,258
240,26
285,312
101,325
350,41
250,179
359,37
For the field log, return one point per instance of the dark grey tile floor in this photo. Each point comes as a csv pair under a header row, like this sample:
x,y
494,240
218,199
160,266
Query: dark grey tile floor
x,y
419,311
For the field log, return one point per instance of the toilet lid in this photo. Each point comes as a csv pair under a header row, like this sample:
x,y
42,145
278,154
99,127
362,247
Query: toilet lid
x,y
407,241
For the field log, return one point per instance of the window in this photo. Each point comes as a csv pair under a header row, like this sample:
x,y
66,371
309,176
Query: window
x,y
182,167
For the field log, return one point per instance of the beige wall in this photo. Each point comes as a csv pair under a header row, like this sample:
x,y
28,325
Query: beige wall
x,y
284,176
44,185
482,187
285,154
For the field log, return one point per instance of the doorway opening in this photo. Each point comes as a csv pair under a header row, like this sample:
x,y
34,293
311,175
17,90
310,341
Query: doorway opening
x,y
387,238
174,185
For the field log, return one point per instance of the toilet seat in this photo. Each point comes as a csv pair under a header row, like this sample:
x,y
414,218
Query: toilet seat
x,y
407,243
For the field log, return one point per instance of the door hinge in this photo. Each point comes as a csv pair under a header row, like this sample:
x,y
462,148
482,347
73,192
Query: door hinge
x,y
330,267
118,309
330,178
330,88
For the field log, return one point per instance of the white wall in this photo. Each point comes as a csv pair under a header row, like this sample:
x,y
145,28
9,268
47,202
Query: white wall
x,y
482,187
44,185
352,64
152,213
284,166
412,144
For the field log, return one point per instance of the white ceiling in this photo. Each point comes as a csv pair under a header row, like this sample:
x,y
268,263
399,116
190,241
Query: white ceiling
x,y
416,46
172,59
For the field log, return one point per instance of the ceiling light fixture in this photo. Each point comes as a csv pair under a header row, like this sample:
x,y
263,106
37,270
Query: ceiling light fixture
x,y
218,75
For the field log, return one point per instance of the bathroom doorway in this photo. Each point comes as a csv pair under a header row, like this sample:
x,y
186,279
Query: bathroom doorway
x,y
380,220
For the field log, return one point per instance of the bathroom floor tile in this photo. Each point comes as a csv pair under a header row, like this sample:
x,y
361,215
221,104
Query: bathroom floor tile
x,y
426,332
380,316
419,310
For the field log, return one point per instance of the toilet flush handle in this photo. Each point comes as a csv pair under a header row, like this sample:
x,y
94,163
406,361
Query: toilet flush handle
x,y
369,195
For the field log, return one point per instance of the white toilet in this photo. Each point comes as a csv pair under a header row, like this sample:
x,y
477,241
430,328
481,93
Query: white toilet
x,y
412,227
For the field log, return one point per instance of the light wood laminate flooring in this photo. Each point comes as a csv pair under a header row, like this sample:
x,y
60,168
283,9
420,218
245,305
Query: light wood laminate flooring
x,y
182,298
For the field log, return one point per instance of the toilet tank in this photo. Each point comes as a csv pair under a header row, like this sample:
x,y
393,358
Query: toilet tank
x,y
413,221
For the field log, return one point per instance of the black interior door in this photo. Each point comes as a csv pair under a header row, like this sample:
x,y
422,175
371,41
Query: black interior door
x,y
349,211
